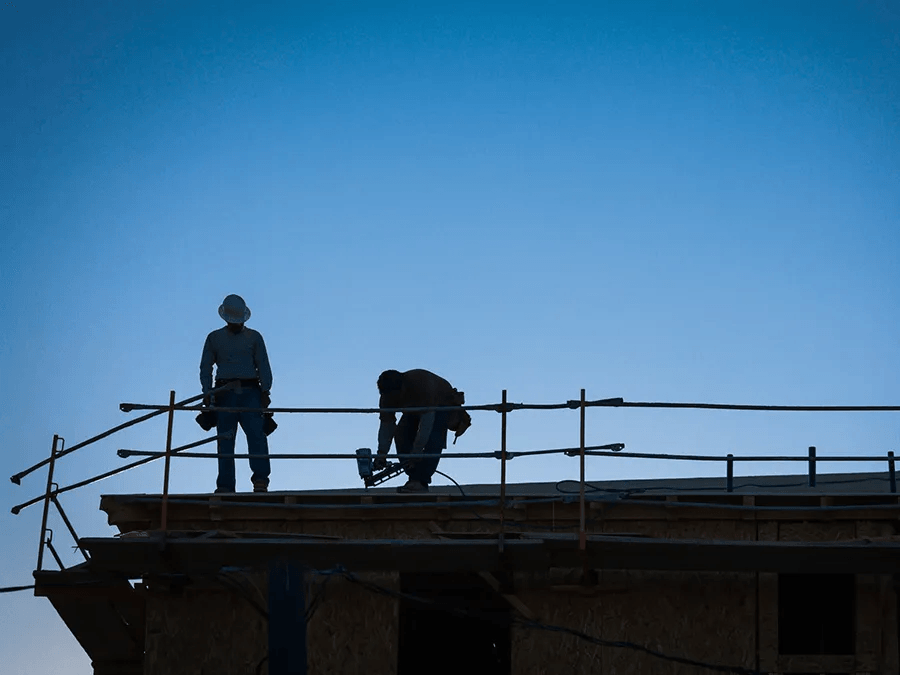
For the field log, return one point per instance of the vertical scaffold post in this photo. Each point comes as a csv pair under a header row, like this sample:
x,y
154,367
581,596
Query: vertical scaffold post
x,y
812,466
729,480
164,515
582,536
502,471
287,619
891,475
40,560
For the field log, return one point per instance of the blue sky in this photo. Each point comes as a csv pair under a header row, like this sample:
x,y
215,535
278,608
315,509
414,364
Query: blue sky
x,y
683,201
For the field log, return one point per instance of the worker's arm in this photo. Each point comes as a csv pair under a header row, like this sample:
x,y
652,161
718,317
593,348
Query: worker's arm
x,y
261,361
206,363
386,428
426,422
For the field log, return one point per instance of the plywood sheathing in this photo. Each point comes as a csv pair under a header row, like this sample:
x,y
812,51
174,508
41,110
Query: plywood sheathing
x,y
889,658
876,624
878,530
204,632
699,616
816,531
212,631
354,630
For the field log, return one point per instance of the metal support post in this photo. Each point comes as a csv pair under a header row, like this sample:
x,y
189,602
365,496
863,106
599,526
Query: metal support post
x,y
729,480
56,557
40,560
891,474
812,466
164,516
502,470
69,525
287,619
582,537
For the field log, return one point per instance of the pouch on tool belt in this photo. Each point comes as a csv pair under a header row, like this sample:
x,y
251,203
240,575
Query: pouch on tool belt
x,y
209,418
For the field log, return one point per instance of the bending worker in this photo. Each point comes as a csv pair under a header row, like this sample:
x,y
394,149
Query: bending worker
x,y
241,360
418,433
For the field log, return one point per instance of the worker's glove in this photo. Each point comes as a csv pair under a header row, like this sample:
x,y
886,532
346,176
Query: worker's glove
x,y
379,462
265,400
418,450
207,401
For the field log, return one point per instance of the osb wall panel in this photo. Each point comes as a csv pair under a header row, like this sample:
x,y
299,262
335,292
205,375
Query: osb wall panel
x,y
889,657
808,531
706,617
744,530
876,631
217,632
354,630
874,529
204,633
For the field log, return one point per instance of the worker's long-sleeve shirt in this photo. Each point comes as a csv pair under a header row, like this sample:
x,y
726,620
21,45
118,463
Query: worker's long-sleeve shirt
x,y
237,356
421,389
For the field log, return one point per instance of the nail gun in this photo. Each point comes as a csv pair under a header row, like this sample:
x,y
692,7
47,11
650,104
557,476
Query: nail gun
x,y
365,465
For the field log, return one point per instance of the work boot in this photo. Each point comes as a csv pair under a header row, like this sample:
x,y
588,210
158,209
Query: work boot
x,y
224,491
260,486
413,485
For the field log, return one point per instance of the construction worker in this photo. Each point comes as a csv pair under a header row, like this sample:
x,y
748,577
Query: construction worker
x,y
241,360
417,433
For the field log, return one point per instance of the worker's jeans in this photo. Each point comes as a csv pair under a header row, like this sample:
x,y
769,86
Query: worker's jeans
x,y
420,469
252,424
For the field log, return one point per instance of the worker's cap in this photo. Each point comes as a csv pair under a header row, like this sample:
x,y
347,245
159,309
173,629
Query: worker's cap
x,y
234,310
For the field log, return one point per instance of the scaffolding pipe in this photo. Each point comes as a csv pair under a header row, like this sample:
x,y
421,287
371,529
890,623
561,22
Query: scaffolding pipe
x,y
488,407
148,457
589,451
619,403
582,535
124,407
891,471
729,479
65,519
165,497
53,551
52,462
502,470
812,466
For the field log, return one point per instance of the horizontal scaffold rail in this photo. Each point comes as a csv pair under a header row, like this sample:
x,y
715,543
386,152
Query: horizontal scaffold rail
x,y
570,405
593,451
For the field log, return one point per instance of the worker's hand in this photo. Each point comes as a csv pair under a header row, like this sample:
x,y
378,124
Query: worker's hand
x,y
379,462
418,450
265,400
207,401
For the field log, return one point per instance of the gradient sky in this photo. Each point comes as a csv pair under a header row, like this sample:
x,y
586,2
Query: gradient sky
x,y
679,201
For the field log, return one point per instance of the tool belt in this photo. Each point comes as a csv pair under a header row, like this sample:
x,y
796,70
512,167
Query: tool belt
x,y
244,382
209,418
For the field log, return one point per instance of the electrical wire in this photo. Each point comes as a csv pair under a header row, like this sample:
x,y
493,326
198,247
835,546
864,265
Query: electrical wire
x,y
590,487
517,523
450,478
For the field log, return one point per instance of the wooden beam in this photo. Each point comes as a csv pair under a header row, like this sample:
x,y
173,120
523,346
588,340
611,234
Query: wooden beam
x,y
136,557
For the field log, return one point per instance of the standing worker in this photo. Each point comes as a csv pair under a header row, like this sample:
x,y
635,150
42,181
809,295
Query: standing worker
x,y
241,359
418,433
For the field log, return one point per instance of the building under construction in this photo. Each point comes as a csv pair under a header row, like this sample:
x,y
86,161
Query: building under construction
x,y
783,574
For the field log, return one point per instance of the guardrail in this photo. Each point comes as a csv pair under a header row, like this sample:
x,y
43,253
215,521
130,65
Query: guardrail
x,y
58,450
